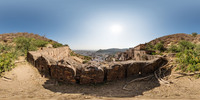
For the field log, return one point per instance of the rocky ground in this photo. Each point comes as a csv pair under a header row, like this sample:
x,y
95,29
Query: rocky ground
x,y
25,83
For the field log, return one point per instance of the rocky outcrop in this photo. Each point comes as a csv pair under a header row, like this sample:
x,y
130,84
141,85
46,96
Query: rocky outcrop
x,y
56,63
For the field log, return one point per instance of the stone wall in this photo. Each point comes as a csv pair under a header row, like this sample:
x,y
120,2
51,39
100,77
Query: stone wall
x,y
70,71
137,53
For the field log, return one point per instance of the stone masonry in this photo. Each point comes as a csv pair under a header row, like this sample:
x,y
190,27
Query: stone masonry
x,y
56,63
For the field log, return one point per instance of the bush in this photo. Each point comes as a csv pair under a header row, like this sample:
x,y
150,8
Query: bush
x,y
149,47
173,49
28,44
87,58
189,60
183,45
160,47
22,44
39,43
85,61
7,56
56,45
194,34
188,56
197,48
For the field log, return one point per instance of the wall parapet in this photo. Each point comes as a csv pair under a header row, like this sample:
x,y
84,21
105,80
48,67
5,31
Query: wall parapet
x,y
70,71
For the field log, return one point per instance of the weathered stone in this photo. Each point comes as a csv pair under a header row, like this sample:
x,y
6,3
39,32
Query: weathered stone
x,y
59,65
30,59
115,71
92,74
135,68
32,56
42,65
63,73
153,65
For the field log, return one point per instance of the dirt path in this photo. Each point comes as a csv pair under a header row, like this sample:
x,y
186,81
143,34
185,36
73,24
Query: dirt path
x,y
25,83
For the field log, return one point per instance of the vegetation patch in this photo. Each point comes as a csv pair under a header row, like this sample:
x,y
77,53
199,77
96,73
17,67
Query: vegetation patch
x,y
8,54
188,56
85,58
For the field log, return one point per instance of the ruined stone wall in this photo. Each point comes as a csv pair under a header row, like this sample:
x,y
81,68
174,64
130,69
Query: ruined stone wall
x,y
137,53
69,71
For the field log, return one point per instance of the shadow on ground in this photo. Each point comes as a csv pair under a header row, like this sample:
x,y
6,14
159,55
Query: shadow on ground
x,y
107,89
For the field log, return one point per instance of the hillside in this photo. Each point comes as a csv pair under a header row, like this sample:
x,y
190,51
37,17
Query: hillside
x,y
110,51
175,80
14,45
8,37
175,38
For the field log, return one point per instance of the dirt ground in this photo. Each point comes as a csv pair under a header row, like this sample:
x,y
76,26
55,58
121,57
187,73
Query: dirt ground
x,y
25,83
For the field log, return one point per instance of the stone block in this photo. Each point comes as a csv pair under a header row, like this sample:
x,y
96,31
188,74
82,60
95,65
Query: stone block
x,y
92,74
135,68
63,73
115,71
153,65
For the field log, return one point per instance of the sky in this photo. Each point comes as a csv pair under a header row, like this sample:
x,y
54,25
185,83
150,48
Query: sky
x,y
100,24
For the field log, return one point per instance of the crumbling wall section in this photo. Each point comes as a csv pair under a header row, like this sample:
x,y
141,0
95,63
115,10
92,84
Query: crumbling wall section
x,y
69,71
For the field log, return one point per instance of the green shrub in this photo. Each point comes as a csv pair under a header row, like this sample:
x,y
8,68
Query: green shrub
x,y
188,60
7,56
149,47
197,48
39,43
173,49
85,61
183,45
160,47
87,58
194,34
23,44
56,45
29,44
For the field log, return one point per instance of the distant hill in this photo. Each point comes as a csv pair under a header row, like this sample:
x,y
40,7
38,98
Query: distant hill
x,y
110,51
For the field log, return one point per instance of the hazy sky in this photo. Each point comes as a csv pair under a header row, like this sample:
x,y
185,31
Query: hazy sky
x,y
95,24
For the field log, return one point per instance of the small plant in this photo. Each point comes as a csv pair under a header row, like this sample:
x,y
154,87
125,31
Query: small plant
x,y
85,61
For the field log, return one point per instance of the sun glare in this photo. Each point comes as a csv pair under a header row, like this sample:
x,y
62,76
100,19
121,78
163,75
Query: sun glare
x,y
116,28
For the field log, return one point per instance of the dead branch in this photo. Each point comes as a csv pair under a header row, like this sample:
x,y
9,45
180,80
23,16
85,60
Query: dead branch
x,y
187,74
137,79
158,77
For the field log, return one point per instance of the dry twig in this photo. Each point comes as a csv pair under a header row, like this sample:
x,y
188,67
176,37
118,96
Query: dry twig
x,y
137,79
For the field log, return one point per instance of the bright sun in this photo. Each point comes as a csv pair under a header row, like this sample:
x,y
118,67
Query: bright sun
x,y
116,28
